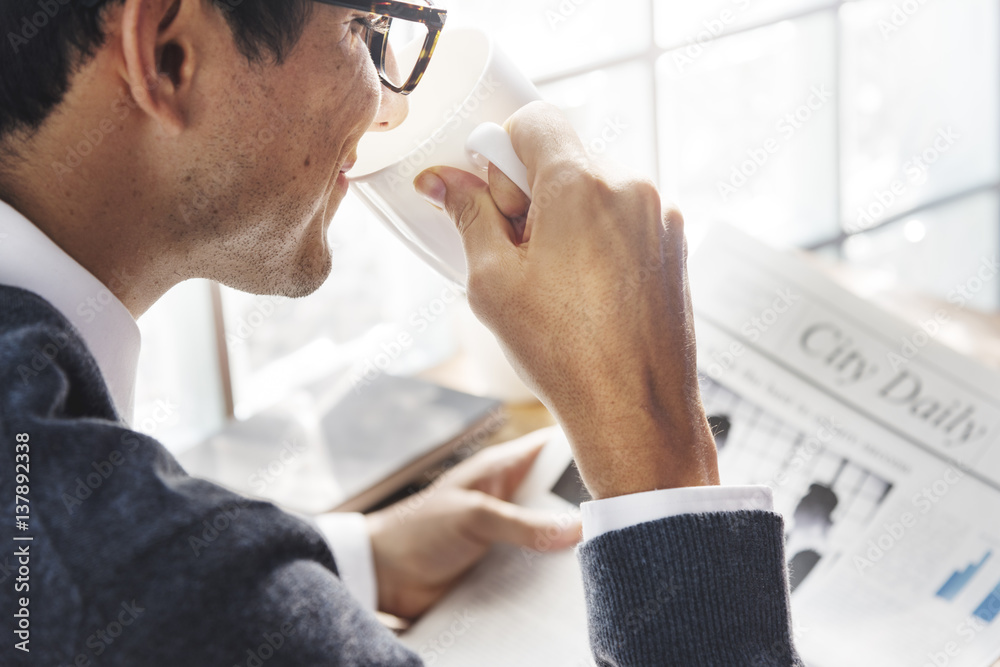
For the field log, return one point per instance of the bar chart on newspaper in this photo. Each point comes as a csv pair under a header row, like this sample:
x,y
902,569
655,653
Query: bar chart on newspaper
x,y
828,498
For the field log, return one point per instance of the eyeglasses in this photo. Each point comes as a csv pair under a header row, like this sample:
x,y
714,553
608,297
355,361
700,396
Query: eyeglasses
x,y
407,30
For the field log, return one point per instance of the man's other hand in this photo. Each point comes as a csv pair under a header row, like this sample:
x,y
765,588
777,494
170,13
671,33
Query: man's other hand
x,y
424,544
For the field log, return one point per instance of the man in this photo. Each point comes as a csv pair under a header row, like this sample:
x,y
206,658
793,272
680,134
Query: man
x,y
115,115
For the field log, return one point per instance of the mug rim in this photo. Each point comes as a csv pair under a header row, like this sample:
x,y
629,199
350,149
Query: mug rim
x,y
490,57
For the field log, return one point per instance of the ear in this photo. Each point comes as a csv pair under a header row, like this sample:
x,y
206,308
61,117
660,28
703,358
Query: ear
x,y
159,57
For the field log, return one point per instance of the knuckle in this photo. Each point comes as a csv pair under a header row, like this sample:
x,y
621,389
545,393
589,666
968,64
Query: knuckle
x,y
647,191
479,510
467,213
482,300
565,169
487,284
646,196
481,285
534,110
673,218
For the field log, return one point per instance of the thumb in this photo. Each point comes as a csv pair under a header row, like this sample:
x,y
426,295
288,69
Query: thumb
x,y
467,200
500,521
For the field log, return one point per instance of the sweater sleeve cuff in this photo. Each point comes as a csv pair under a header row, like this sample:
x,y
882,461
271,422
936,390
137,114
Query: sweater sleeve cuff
x,y
347,535
692,589
610,514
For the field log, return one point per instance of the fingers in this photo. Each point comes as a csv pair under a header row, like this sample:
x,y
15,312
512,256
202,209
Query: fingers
x,y
499,521
542,135
486,234
499,470
510,201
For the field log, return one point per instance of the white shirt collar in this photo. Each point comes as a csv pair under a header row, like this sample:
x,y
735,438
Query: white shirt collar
x,y
32,261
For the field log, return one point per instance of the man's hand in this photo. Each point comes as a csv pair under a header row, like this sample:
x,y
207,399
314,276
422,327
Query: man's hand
x,y
424,544
587,291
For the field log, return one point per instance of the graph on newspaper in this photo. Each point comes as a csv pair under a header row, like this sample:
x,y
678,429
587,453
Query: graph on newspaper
x,y
829,497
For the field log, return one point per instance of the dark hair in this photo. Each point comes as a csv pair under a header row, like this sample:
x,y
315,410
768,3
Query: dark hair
x,y
44,42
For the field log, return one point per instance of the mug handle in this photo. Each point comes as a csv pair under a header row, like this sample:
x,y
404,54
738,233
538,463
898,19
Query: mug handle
x,y
490,143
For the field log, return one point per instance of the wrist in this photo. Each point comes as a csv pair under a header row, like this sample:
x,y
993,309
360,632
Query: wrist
x,y
644,449
386,589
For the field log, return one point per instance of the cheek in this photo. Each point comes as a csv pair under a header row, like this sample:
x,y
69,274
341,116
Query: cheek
x,y
362,91
372,97
347,107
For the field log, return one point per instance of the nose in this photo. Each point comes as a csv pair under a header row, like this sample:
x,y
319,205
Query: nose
x,y
394,107
392,111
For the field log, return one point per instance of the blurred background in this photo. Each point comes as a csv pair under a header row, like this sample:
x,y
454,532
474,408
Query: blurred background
x,y
865,132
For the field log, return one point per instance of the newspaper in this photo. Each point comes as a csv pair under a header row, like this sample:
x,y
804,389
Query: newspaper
x,y
879,445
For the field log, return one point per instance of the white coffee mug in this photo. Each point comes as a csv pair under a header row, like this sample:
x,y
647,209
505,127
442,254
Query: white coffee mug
x,y
470,87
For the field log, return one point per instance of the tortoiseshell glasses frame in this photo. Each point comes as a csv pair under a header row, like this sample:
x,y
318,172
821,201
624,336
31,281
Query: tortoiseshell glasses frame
x,y
378,31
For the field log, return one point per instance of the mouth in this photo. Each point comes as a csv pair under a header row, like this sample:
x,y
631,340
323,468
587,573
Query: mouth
x,y
342,181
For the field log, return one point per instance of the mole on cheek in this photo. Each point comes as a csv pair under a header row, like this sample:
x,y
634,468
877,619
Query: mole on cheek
x,y
306,162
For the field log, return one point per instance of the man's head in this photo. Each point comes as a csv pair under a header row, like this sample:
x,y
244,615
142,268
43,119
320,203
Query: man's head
x,y
161,140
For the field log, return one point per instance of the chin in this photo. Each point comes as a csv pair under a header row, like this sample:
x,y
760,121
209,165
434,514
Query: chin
x,y
288,277
291,268
309,276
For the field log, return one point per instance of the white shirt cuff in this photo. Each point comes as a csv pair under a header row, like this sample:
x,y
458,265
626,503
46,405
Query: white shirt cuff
x,y
347,535
604,516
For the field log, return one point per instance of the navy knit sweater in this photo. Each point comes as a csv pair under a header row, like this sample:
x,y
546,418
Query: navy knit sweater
x,y
135,563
